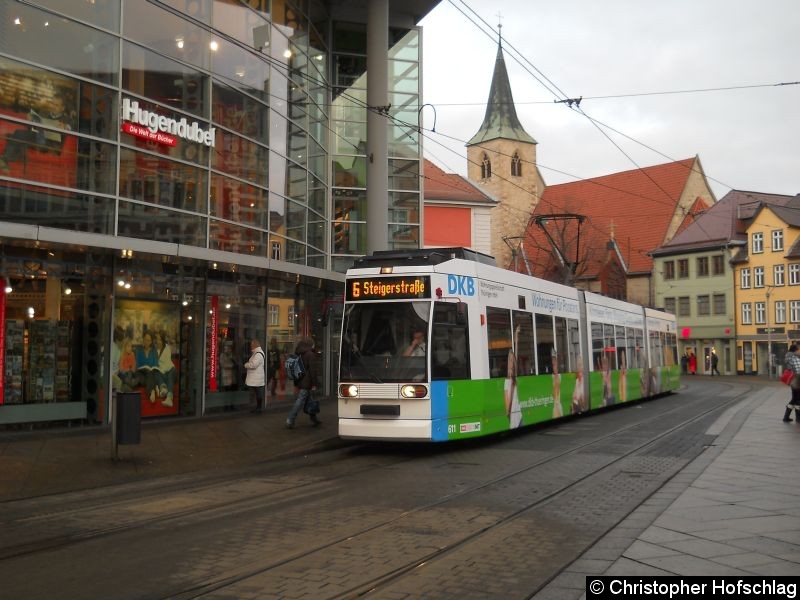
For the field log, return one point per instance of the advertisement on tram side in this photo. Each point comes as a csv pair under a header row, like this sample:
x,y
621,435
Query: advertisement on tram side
x,y
466,408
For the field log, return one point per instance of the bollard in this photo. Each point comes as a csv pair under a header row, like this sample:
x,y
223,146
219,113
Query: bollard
x,y
127,418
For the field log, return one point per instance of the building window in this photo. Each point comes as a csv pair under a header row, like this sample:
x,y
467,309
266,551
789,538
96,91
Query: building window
x,y
758,277
273,315
747,318
669,305
486,167
703,305
780,311
669,269
291,316
720,307
702,266
761,313
758,242
516,165
777,240
276,251
744,282
794,274
684,308
718,264
794,311
778,274
683,268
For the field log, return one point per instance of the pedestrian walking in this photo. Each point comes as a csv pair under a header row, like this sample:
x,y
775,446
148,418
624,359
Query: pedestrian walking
x,y
306,385
692,363
714,362
685,364
255,375
793,363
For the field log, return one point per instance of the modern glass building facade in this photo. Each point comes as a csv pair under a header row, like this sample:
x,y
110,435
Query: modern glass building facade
x,y
186,174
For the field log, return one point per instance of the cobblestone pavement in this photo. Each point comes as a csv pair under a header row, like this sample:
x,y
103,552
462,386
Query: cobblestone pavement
x,y
732,511
498,518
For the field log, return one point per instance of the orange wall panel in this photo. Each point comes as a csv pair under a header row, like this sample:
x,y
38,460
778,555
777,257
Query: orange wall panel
x,y
448,226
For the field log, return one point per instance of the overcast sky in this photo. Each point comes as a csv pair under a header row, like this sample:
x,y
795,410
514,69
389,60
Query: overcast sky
x,y
747,139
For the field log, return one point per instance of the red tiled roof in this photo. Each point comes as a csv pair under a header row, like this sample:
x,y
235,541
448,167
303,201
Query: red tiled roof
x,y
698,208
640,203
450,187
723,222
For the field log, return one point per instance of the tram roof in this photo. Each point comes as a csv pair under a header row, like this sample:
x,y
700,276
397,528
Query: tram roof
x,y
424,256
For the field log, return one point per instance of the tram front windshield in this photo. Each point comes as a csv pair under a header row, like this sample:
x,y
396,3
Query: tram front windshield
x,y
385,342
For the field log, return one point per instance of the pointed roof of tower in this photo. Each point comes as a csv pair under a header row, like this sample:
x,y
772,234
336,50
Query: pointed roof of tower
x,y
501,119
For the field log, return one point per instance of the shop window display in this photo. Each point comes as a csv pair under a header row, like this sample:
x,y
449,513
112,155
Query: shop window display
x,y
236,315
53,344
144,356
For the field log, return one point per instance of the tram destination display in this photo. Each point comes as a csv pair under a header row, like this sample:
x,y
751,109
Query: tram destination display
x,y
388,288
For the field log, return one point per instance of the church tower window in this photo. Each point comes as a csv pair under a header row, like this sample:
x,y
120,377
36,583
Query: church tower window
x,y
486,167
516,165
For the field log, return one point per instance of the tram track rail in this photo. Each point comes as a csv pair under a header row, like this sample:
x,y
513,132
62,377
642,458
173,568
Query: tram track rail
x,y
373,585
210,507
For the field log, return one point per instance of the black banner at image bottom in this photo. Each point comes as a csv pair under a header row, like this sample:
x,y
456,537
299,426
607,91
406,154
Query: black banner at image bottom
x,y
677,587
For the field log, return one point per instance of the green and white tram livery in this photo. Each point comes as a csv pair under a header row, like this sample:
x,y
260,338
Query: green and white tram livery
x,y
440,345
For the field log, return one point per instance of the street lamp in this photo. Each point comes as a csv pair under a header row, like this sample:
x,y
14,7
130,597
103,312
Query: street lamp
x,y
769,338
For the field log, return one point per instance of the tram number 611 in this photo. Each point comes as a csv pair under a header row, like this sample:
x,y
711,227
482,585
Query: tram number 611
x,y
452,429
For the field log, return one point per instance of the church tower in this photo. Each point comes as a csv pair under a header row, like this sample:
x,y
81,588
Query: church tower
x,y
502,162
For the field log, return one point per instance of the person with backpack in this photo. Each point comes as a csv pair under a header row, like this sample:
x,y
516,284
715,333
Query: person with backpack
x,y
255,374
301,368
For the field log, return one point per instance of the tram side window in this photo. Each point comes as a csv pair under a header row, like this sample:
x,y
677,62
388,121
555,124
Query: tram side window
x,y
597,345
641,356
622,358
672,356
524,343
630,348
668,347
450,347
573,330
562,359
498,329
610,346
545,344
655,349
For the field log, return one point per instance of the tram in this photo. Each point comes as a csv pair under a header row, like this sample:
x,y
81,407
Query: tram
x,y
441,344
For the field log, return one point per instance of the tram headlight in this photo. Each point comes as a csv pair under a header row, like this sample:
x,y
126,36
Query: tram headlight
x,y
413,391
348,390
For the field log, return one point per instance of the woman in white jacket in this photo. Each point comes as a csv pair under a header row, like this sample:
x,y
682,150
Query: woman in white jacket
x,y
255,379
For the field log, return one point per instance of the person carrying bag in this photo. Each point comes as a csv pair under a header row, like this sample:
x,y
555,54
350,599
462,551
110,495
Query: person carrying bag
x,y
306,384
793,365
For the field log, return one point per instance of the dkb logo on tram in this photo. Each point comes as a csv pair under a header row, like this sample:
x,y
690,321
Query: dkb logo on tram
x,y
460,285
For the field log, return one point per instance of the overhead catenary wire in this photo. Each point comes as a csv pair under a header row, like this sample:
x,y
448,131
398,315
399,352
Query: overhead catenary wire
x,y
559,93
634,94
291,75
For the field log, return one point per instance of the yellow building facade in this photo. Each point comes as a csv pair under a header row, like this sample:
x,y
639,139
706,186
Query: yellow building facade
x,y
767,288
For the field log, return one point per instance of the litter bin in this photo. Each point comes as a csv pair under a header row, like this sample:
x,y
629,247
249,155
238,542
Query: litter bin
x,y
129,418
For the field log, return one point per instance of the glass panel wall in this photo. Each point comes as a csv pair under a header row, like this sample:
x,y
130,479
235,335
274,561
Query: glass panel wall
x,y
348,126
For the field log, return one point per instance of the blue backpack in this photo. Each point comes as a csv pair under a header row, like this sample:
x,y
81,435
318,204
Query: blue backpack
x,y
294,367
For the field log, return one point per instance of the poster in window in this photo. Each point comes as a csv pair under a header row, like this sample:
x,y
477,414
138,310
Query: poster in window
x,y
145,354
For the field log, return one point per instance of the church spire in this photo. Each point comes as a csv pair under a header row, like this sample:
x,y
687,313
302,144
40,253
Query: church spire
x,y
500,120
